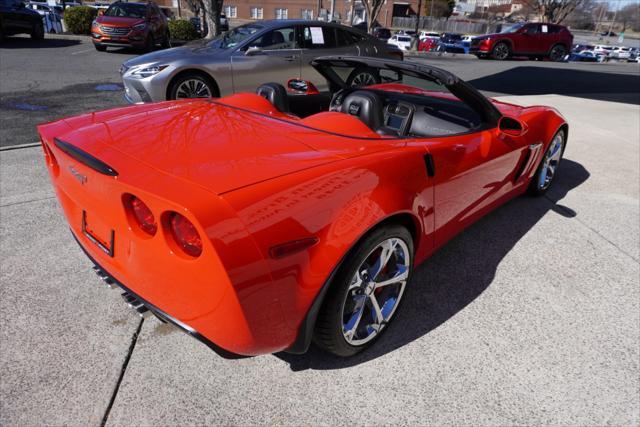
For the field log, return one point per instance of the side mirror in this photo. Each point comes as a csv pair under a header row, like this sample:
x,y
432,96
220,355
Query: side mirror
x,y
510,126
253,50
302,87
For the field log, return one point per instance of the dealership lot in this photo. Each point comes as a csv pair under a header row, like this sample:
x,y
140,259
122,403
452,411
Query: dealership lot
x,y
531,316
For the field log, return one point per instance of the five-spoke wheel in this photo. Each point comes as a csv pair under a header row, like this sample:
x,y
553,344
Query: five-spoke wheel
x,y
366,292
549,165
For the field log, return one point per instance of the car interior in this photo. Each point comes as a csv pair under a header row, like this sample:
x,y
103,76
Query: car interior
x,y
385,112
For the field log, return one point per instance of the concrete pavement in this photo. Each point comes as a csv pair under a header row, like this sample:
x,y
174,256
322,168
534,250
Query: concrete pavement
x,y
532,316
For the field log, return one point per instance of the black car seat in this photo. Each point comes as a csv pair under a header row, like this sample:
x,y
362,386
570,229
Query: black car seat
x,y
367,106
276,94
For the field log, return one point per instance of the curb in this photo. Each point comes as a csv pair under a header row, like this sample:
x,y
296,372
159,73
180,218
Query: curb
x,y
19,146
439,55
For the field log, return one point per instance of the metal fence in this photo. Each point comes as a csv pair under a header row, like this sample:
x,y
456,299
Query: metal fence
x,y
442,25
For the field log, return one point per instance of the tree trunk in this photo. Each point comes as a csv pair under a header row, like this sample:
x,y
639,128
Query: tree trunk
x,y
211,15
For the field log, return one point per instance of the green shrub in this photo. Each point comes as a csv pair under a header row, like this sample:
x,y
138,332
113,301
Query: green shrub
x,y
181,29
78,19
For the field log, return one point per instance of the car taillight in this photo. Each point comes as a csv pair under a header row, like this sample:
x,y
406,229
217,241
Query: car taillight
x,y
185,235
486,43
143,215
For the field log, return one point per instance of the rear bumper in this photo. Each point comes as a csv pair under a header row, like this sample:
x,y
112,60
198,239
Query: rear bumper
x,y
164,317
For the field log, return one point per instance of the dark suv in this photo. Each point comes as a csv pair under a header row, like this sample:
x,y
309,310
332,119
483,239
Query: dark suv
x,y
525,39
138,25
16,18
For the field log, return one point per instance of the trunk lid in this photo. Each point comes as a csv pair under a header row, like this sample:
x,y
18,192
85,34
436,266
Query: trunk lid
x,y
214,146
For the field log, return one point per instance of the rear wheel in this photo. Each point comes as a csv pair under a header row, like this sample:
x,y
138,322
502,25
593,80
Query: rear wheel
x,y
37,33
166,40
548,168
366,292
501,51
557,53
363,77
192,85
149,43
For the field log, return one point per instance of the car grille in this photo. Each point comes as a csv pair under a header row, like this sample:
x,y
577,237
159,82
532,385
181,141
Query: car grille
x,y
114,31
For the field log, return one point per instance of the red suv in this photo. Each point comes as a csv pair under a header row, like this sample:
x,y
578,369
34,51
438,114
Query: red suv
x,y
525,39
138,25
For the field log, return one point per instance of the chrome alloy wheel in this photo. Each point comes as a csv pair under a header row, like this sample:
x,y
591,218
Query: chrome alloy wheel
x,y
363,79
375,291
193,88
550,161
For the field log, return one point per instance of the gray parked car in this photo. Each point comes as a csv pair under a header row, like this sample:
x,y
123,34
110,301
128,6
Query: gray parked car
x,y
243,58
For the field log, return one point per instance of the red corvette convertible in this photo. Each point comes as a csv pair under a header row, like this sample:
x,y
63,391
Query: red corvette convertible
x,y
260,222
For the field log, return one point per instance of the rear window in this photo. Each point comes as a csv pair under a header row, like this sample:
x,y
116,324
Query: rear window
x,y
404,39
319,37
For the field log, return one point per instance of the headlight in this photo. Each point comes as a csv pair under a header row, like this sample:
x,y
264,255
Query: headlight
x,y
148,71
139,27
94,23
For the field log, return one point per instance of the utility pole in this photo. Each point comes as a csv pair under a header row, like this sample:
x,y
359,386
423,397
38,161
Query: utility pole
x,y
602,9
615,14
333,8
418,16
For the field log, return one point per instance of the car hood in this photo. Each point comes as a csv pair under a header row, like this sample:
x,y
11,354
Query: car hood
x,y
212,145
118,21
174,54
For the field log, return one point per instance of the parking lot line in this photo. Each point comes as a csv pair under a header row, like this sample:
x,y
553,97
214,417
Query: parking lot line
x,y
81,51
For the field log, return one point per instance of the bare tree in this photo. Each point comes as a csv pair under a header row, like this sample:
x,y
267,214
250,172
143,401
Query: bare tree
x,y
630,17
554,11
372,7
209,13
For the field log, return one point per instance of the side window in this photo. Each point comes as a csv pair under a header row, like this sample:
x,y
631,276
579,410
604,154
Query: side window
x,y
318,37
532,29
282,38
343,38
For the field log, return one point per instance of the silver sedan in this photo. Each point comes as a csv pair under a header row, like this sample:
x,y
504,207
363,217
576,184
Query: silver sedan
x,y
245,57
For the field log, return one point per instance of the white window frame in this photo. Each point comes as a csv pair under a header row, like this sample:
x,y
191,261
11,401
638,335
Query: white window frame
x,y
306,14
281,13
231,11
256,12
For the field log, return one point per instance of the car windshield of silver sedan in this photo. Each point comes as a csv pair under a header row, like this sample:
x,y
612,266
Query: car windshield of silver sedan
x,y
236,36
511,29
127,10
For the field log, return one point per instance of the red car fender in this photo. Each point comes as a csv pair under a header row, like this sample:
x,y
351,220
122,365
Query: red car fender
x,y
337,205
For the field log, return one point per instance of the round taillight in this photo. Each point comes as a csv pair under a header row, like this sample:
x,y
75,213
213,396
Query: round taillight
x,y
143,216
185,235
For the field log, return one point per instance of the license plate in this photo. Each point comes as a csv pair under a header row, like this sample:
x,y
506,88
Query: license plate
x,y
96,232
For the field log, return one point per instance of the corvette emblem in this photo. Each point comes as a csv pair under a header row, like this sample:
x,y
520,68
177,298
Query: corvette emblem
x,y
82,179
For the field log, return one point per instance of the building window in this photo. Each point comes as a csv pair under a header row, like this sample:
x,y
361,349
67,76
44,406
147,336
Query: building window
x,y
282,13
231,11
306,13
257,13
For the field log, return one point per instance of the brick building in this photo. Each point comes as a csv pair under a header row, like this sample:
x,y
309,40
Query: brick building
x,y
244,10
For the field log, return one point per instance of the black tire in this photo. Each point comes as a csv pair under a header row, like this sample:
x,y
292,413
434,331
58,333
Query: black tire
x,y
37,33
557,53
166,40
149,43
535,188
99,47
328,333
365,75
175,84
501,51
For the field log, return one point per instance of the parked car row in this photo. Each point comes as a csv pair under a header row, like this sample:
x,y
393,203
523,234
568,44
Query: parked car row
x,y
602,53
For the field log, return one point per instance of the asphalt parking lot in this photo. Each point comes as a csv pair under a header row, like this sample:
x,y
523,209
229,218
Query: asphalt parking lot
x,y
531,316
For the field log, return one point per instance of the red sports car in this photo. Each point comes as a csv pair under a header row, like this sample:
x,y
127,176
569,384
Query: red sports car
x,y
257,225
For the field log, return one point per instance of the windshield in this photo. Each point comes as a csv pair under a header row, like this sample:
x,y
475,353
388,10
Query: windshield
x,y
236,36
511,29
127,10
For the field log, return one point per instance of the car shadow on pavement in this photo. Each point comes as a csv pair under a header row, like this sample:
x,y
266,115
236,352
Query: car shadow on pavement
x,y
457,274
27,43
527,80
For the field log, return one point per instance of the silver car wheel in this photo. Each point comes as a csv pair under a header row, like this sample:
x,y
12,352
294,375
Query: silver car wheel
x,y
193,88
550,161
363,79
375,291
501,51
